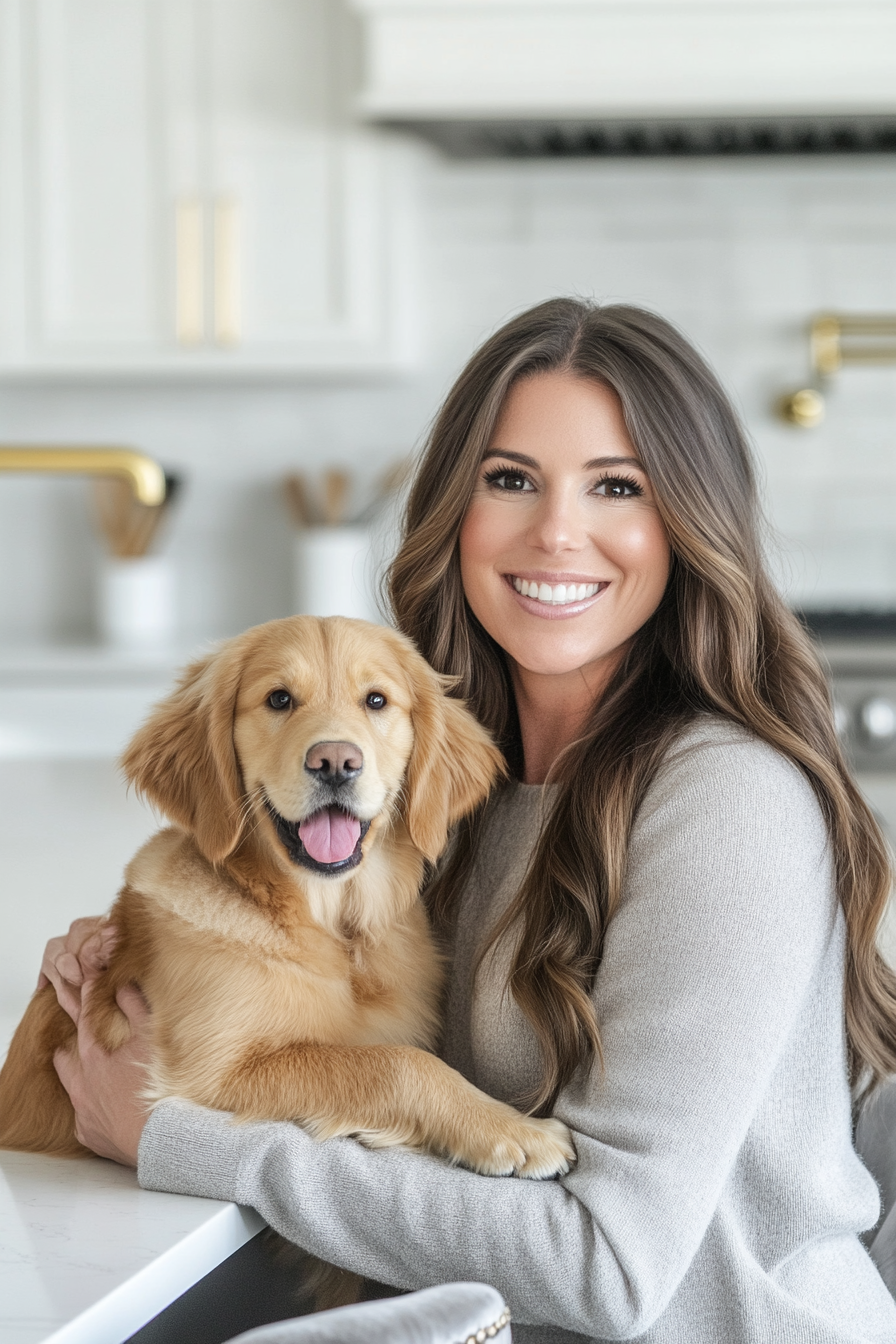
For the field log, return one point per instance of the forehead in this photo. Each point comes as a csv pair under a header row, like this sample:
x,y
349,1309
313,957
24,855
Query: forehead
x,y
322,661
562,414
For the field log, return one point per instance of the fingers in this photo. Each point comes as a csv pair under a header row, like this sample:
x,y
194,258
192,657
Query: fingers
x,y
69,997
68,994
54,948
62,971
82,929
69,967
69,962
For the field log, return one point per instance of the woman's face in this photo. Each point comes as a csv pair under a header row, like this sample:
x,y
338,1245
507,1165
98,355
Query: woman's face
x,y
563,553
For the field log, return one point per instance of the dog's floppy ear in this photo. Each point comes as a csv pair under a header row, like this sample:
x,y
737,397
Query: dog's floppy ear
x,y
453,762
183,758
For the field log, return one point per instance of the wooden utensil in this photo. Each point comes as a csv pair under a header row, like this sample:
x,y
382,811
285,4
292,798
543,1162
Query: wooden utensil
x,y
298,500
336,488
127,526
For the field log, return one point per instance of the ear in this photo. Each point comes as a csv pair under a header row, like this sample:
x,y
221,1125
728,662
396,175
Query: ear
x,y
183,758
453,764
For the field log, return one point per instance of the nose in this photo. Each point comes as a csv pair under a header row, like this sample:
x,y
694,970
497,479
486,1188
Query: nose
x,y
560,522
334,763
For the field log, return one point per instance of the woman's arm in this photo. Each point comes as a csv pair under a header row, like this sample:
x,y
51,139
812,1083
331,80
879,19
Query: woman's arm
x,y
709,962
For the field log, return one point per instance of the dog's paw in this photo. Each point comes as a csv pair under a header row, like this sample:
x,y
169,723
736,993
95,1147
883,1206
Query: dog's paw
x,y
549,1152
524,1146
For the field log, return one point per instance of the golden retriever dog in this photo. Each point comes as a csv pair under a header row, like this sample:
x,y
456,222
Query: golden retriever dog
x,y
311,769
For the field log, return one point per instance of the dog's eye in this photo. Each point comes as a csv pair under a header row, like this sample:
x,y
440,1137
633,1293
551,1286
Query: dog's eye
x,y
376,700
280,700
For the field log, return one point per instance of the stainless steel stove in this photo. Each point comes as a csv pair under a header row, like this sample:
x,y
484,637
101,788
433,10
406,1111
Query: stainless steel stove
x,y
859,649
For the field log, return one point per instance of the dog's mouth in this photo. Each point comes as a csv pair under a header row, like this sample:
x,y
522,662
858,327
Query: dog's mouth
x,y
329,841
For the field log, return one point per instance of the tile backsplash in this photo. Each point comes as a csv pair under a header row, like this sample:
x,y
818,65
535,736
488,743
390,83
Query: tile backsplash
x,y
739,252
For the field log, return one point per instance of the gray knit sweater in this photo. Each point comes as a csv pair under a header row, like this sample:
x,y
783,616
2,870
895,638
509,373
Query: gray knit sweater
x,y
717,1197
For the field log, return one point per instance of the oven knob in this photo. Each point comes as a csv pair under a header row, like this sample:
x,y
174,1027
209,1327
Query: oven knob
x,y
878,719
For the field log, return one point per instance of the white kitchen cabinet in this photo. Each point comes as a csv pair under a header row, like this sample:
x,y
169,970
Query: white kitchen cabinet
x,y
488,59
179,193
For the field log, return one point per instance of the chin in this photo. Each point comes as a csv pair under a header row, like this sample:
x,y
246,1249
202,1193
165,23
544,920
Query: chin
x,y
555,664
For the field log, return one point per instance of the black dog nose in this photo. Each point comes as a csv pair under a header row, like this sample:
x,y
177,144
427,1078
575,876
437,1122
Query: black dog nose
x,y
334,762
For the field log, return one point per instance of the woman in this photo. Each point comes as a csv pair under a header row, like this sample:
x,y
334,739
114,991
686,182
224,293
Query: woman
x,y
671,945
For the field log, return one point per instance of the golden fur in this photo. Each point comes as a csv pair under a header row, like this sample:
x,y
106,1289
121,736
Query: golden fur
x,y
278,992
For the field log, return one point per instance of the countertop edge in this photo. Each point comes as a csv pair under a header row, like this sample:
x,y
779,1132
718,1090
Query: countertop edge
x,y
129,1306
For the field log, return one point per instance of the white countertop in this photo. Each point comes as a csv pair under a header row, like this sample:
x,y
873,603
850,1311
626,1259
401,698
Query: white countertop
x,y
87,1257
79,703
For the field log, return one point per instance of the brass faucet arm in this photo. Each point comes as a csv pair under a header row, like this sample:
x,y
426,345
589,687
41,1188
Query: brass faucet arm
x,y
833,341
145,477
836,339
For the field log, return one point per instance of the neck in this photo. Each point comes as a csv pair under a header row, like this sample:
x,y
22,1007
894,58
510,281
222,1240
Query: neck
x,y
553,710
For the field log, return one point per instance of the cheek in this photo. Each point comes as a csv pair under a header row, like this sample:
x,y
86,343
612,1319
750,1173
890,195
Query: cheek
x,y
480,544
484,534
252,741
393,742
641,548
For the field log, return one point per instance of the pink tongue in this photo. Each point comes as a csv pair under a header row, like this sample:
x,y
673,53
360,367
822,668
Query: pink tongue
x,y
331,835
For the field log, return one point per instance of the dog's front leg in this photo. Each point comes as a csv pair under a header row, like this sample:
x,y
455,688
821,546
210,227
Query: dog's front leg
x,y
394,1095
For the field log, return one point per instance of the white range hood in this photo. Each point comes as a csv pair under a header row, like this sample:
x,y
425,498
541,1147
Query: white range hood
x,y
592,60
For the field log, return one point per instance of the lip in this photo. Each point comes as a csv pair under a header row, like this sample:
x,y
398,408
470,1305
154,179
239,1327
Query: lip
x,y
551,576
542,609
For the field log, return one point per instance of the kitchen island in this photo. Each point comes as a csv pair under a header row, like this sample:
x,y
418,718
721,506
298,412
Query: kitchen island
x,y
87,1257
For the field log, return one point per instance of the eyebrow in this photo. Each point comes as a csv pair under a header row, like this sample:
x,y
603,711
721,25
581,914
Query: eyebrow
x,y
592,465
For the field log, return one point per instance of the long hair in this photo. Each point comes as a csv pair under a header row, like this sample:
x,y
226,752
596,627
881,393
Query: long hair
x,y
721,640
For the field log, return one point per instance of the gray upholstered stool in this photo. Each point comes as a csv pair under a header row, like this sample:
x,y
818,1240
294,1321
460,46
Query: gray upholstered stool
x,y
453,1313
876,1144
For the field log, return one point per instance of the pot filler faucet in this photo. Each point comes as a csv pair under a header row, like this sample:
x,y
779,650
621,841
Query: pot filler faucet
x,y
145,477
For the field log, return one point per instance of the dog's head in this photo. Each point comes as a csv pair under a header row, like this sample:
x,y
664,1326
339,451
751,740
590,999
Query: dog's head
x,y
322,731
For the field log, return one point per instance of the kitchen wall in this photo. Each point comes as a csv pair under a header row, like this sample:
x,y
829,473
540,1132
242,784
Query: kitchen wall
x,y
738,252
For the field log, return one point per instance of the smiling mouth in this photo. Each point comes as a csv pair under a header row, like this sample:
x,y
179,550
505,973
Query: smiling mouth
x,y
557,594
328,841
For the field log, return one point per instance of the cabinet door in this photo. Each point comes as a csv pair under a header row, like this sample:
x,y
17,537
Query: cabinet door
x,y
180,194
95,259
300,244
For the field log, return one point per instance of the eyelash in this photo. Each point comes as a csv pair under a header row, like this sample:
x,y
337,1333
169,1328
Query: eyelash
x,y
496,474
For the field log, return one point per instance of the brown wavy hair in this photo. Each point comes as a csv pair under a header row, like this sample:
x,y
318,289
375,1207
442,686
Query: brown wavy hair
x,y
721,640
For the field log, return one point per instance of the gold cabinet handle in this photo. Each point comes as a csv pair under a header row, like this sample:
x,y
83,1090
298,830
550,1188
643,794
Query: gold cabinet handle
x,y
228,316
189,264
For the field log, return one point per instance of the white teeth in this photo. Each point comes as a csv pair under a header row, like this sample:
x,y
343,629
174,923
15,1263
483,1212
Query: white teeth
x,y
561,594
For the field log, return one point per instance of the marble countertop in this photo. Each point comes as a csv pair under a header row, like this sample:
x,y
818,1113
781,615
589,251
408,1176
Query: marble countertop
x,y
87,1257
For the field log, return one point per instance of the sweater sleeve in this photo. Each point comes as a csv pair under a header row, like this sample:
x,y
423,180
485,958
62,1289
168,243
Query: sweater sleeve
x,y
728,908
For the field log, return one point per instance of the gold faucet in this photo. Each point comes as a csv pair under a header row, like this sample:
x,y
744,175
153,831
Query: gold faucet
x,y
145,477
836,339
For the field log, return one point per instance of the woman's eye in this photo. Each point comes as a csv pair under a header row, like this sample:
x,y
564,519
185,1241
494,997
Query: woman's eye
x,y
280,700
376,700
515,482
618,487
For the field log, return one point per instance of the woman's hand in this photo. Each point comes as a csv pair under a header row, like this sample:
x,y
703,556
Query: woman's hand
x,y
78,957
104,1088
